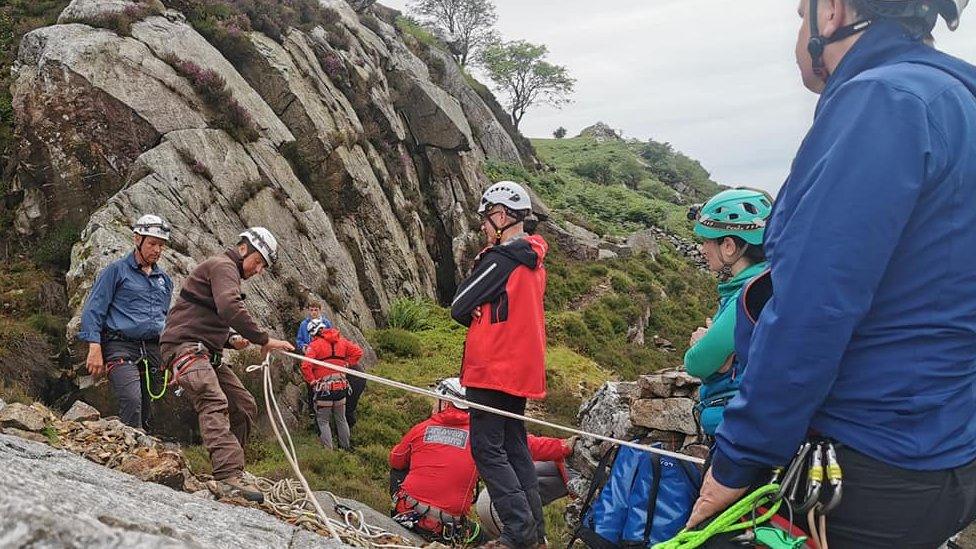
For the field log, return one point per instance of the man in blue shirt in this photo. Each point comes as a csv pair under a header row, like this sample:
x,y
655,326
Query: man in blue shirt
x,y
870,336
123,318
303,338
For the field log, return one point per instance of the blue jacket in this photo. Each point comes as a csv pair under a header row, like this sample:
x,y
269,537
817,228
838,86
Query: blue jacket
x,y
303,339
124,299
870,336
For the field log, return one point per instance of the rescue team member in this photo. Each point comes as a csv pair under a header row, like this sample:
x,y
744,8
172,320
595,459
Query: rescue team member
x,y
123,317
870,336
433,474
504,357
199,325
330,387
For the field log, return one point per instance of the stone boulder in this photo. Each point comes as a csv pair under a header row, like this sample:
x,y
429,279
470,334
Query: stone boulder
x,y
23,417
644,243
576,241
81,411
601,131
665,414
667,384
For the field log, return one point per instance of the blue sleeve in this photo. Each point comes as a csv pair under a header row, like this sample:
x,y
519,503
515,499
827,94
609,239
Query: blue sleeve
x,y
856,180
96,306
302,339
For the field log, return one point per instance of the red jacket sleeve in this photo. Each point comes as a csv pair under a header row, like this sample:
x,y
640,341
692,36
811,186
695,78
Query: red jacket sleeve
x,y
400,454
548,449
354,353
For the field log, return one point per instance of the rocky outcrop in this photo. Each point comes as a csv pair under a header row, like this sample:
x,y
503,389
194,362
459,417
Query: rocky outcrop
x,y
601,131
364,153
53,498
366,166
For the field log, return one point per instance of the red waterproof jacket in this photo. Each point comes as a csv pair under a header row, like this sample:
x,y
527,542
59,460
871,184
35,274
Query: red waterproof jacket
x,y
442,472
329,347
438,454
506,347
550,449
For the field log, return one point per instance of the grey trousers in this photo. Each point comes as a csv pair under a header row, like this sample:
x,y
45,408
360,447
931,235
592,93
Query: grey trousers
x,y
128,379
324,415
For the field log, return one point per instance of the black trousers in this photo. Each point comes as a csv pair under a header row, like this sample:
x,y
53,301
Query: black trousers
x,y
358,386
501,452
886,507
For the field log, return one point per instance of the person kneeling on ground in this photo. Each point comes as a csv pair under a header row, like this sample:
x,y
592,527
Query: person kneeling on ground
x,y
433,474
329,387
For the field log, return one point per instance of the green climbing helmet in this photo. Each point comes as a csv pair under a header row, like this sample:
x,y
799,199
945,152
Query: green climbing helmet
x,y
735,212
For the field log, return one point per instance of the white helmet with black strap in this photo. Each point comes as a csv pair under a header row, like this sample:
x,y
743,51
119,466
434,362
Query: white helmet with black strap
x,y
263,242
152,225
451,387
515,199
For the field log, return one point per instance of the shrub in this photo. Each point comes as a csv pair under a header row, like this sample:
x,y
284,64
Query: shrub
x,y
121,21
397,342
409,314
231,116
11,392
621,283
54,248
559,133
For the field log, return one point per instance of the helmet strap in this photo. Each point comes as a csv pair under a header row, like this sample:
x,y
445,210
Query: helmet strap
x,y
818,43
726,272
499,231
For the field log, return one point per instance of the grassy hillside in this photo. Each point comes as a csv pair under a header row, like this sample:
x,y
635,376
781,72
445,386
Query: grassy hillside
x,y
616,187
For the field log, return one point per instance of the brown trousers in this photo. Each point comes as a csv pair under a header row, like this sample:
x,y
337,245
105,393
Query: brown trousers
x,y
225,410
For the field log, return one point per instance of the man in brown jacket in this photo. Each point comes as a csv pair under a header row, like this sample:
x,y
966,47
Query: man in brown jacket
x,y
198,326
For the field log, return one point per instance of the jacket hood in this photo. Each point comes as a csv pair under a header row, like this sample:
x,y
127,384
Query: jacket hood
x,y
452,416
529,250
331,335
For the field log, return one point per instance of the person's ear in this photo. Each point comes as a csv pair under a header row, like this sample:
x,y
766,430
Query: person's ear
x,y
833,16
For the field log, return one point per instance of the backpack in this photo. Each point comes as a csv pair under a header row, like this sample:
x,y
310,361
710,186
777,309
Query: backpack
x,y
647,499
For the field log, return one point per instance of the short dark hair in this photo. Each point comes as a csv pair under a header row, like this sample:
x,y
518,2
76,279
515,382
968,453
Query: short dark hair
x,y
312,304
919,26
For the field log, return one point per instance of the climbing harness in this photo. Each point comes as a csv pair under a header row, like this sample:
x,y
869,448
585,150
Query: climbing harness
x,y
453,529
482,407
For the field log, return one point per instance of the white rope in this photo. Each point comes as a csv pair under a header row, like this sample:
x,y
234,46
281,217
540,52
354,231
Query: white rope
x,y
363,531
482,407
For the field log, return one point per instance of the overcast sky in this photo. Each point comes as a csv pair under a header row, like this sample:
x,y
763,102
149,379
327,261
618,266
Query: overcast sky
x,y
716,78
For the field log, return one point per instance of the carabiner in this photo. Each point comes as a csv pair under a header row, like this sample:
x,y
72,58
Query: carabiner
x,y
835,476
815,478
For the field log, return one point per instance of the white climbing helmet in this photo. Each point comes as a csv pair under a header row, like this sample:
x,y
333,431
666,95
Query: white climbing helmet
x,y
451,387
488,517
507,193
152,225
316,326
264,242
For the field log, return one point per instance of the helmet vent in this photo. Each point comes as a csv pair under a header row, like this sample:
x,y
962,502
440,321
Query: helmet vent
x,y
733,216
751,208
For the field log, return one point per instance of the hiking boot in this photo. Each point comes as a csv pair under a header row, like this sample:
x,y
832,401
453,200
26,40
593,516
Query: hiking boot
x,y
238,487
